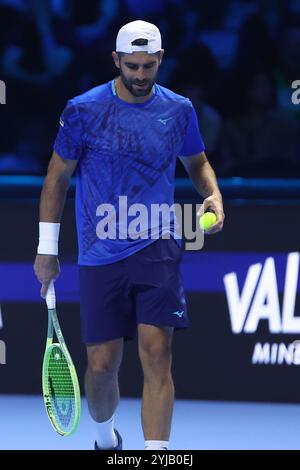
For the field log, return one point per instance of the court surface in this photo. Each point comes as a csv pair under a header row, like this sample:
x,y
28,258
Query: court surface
x,y
196,425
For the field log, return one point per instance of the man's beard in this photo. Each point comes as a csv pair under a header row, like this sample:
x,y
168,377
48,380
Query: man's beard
x,y
135,90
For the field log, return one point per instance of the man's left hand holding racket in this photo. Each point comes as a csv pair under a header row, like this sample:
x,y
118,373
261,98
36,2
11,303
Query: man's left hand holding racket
x,y
47,269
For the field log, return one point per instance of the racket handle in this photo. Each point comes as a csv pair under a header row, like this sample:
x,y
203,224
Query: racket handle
x,y
50,297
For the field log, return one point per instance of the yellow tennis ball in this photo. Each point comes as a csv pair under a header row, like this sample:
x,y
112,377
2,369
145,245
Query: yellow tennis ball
x,y
207,220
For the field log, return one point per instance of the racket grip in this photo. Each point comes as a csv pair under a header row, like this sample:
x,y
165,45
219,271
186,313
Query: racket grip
x,y
50,297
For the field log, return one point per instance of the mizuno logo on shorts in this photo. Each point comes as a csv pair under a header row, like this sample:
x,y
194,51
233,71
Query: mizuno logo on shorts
x,y
179,314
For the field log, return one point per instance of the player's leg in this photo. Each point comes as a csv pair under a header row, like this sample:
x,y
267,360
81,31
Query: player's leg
x,y
160,309
101,379
107,318
158,393
102,390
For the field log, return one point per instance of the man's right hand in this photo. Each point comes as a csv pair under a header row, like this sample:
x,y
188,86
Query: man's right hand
x,y
46,268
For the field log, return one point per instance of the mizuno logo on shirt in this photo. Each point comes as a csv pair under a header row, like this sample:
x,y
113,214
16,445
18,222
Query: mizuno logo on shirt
x,y
179,314
61,122
164,121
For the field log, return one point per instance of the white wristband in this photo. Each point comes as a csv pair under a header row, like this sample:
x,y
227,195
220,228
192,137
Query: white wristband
x,y
48,239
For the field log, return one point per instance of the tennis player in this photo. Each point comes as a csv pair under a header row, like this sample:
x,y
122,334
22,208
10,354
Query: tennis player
x,y
123,138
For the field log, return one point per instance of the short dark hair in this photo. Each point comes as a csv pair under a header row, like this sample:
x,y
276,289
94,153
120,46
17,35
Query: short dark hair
x,y
121,54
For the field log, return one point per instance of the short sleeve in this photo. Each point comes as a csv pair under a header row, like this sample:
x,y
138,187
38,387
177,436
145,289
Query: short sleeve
x,y
193,142
68,142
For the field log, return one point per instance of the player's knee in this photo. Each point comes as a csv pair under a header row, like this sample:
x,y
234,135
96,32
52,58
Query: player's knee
x,y
155,352
156,361
100,366
104,361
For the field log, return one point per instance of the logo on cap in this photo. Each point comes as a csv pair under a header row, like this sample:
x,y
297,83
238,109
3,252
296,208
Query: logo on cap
x,y
140,42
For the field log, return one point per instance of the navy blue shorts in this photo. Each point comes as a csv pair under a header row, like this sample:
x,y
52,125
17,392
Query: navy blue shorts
x,y
143,288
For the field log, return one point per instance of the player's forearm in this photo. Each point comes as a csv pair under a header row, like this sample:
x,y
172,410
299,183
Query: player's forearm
x,y
204,179
53,198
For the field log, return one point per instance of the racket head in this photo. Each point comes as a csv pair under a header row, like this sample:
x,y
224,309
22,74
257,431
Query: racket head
x,y
61,390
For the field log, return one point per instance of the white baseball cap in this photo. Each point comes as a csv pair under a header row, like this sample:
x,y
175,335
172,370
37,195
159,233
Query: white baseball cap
x,y
130,32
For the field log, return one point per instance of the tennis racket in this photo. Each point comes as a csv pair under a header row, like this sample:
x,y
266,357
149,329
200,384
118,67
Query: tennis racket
x,y
60,383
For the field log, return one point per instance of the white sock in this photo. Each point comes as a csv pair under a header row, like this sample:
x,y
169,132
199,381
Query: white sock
x,y
106,436
156,445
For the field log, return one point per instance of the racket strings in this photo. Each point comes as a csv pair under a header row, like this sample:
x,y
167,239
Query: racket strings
x,y
62,393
